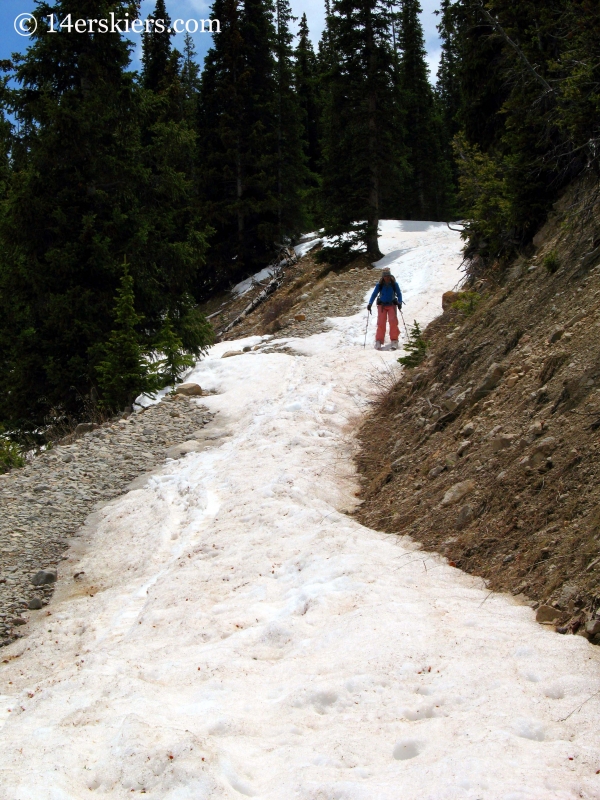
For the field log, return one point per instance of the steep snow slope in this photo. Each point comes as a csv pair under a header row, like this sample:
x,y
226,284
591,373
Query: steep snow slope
x,y
246,638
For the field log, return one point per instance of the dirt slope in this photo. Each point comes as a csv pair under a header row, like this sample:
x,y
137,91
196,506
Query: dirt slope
x,y
505,413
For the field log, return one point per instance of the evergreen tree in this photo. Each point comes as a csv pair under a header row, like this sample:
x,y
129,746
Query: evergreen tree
x,y
427,194
448,87
253,169
190,81
517,150
123,372
363,158
156,48
306,82
175,360
84,187
292,173
238,113
415,347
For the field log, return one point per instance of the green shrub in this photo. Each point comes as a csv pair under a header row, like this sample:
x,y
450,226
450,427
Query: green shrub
x,y
10,454
551,261
467,303
415,347
175,361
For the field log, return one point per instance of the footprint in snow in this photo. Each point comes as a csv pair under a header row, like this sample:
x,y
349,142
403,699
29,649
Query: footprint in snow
x,y
406,749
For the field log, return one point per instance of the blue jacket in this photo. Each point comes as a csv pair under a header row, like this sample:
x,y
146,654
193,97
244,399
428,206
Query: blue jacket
x,y
386,293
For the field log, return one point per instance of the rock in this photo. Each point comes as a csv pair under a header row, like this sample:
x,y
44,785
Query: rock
x,y
147,431
451,460
547,615
18,621
300,317
463,447
231,353
180,450
468,430
189,390
577,318
67,458
501,476
512,380
592,627
450,405
502,442
555,335
452,392
567,593
491,380
493,432
546,446
465,517
398,464
41,487
433,473
448,299
540,455
34,604
536,428
44,576
85,427
456,493
463,396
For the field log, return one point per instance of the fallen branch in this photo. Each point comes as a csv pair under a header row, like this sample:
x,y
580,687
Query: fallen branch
x,y
274,284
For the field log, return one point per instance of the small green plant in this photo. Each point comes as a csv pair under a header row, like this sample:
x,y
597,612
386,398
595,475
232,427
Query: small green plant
x,y
175,360
10,454
551,261
415,347
467,303
124,371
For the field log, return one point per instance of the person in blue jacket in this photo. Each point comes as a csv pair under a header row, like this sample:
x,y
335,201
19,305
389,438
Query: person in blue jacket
x,y
389,299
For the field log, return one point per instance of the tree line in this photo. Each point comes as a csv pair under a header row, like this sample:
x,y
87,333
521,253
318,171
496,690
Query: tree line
x,y
519,84
127,198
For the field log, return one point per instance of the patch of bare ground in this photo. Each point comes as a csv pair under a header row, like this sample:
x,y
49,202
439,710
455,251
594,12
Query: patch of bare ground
x,y
488,452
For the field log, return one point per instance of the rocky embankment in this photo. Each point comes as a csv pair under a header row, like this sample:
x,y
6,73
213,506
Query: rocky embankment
x,y
489,452
45,503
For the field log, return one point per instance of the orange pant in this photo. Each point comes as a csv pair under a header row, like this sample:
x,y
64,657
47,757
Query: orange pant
x,y
383,314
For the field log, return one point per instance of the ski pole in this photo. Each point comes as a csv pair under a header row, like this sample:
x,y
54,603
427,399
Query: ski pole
x,y
366,329
405,328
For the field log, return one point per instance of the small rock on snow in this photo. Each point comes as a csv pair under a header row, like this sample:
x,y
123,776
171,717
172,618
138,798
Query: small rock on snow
x,y
547,615
44,576
189,389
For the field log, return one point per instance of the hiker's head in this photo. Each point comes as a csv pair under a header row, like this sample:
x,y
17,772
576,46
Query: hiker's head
x,y
386,274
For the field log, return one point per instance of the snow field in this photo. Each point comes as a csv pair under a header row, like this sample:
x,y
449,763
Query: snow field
x,y
237,635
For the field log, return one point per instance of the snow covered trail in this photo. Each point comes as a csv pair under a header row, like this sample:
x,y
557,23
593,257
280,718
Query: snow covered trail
x,y
237,635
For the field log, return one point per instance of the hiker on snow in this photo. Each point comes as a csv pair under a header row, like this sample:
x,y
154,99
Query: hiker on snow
x,y
390,298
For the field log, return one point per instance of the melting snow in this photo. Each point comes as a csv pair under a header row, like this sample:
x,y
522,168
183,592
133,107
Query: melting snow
x,y
238,635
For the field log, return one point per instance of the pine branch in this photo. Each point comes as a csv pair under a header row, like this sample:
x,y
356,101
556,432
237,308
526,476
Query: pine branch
x,y
499,29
